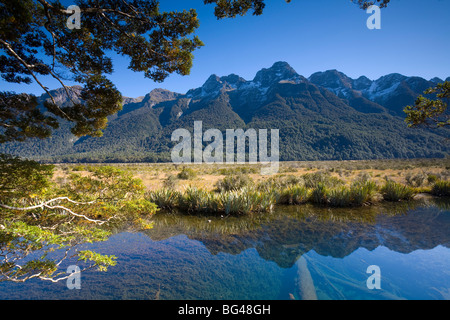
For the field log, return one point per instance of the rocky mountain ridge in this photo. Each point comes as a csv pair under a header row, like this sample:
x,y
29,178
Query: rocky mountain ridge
x,y
328,116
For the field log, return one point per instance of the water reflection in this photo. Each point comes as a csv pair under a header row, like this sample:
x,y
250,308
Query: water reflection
x,y
283,236
296,252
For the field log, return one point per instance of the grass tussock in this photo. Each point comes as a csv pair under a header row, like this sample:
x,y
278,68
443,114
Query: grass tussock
x,y
321,179
233,183
187,174
319,195
363,192
393,191
441,188
295,194
195,200
358,194
339,197
235,198
240,191
165,199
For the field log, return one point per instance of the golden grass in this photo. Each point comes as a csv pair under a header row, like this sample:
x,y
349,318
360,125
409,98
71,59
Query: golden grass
x,y
154,176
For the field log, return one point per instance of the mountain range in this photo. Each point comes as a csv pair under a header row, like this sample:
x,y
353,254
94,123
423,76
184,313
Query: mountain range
x,y
328,116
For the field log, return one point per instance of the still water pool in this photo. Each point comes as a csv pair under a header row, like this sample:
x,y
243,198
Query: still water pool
x,y
293,253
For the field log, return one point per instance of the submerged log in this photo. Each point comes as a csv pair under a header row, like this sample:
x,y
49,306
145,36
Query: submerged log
x,y
304,281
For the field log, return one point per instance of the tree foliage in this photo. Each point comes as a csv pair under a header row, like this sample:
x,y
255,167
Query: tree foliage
x,y
42,223
230,9
35,42
428,112
364,4
21,178
233,8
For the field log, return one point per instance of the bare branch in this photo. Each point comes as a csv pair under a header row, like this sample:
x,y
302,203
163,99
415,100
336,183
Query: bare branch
x,y
47,205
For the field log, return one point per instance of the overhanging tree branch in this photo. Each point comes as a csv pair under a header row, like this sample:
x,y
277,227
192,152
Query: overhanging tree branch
x,y
156,42
47,205
30,69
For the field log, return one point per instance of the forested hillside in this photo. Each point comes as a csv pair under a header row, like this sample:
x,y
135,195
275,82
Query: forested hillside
x,y
328,116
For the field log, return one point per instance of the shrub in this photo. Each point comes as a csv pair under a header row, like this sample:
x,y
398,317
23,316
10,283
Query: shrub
x,y
393,191
441,188
269,184
186,174
79,167
170,182
362,178
415,180
279,182
312,180
240,169
233,183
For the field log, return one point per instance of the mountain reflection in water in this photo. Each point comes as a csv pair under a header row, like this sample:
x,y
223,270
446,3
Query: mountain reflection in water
x,y
283,236
294,252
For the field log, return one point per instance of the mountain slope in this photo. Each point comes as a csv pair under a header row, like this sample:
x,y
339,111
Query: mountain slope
x,y
389,93
328,116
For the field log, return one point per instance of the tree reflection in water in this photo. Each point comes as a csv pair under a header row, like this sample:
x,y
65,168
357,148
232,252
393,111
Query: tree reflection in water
x,y
294,252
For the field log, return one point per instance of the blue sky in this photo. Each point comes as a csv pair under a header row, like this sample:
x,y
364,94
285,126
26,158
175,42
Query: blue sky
x,y
311,35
